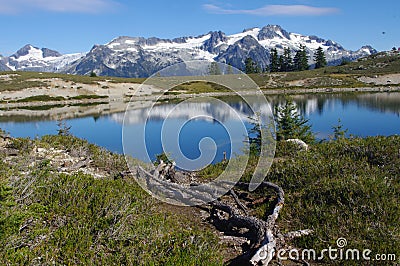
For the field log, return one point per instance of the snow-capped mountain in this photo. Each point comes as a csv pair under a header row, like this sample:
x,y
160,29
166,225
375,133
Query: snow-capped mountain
x,y
141,57
3,66
30,58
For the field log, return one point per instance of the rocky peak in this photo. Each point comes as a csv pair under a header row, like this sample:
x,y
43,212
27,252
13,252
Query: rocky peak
x,y
50,53
23,51
248,41
36,52
180,40
216,37
272,31
368,49
248,46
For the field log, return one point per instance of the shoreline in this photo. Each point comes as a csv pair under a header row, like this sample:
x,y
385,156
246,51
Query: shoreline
x,y
120,102
66,102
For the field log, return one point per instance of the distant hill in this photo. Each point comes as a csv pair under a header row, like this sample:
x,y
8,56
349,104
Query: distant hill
x,y
378,63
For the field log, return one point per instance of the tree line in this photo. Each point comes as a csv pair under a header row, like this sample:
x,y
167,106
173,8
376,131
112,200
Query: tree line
x,y
286,62
278,63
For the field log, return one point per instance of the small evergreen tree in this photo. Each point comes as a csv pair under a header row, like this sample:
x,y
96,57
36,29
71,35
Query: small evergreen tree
x,y
248,65
320,59
286,61
92,74
251,66
292,125
338,131
63,129
274,65
300,61
296,61
214,69
344,62
280,63
255,140
260,135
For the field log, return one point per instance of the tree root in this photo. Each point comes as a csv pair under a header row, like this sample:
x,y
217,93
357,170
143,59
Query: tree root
x,y
265,238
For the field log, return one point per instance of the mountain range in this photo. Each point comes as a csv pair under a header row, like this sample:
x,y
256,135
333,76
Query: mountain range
x,y
141,57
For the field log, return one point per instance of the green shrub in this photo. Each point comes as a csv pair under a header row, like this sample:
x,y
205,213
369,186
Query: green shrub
x,y
41,98
89,96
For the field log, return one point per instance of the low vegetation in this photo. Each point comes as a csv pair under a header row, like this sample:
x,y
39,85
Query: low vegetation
x,y
48,98
345,188
50,217
88,97
18,80
40,98
197,87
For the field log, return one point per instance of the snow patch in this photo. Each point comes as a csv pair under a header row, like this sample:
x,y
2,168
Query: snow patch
x,y
237,37
33,54
130,42
191,43
113,44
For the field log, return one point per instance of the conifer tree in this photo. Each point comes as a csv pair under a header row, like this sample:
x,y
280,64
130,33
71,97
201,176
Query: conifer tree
x,y
300,61
251,66
292,125
274,65
338,131
280,63
214,69
320,59
287,61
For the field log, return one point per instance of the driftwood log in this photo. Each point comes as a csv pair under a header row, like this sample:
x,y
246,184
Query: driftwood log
x,y
265,238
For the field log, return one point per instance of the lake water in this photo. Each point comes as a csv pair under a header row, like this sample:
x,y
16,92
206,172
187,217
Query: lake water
x,y
363,114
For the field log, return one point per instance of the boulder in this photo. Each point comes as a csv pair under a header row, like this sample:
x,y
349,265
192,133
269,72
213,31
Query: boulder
x,y
299,143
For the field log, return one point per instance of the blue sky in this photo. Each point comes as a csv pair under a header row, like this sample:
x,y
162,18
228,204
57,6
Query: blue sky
x,y
76,25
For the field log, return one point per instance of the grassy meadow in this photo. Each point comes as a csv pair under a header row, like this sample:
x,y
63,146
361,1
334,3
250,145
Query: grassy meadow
x,y
340,188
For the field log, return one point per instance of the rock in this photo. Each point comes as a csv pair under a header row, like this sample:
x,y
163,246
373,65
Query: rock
x,y
41,150
4,142
299,143
11,152
67,163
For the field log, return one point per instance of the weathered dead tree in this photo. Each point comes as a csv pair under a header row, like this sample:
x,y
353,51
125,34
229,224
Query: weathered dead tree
x,y
264,235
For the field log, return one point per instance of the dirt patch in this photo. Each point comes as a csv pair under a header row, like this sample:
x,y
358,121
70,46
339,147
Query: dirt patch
x,y
381,80
313,82
59,87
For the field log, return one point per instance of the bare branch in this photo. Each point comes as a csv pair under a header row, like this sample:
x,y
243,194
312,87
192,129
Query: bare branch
x,y
264,235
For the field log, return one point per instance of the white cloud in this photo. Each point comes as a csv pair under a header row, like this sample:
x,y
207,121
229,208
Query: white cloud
x,y
275,10
61,6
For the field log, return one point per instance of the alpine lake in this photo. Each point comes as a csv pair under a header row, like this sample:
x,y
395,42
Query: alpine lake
x,y
362,114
